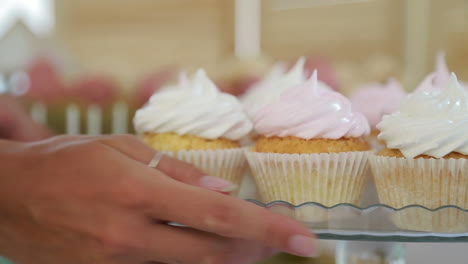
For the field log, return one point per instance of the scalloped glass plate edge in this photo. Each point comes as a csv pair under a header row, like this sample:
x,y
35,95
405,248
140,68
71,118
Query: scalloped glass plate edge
x,y
284,203
378,221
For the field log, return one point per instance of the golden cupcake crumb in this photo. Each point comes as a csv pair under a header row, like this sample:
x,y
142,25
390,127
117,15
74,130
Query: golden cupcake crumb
x,y
302,146
176,142
396,153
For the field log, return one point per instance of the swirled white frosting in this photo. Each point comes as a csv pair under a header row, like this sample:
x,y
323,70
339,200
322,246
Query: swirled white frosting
x,y
434,123
195,107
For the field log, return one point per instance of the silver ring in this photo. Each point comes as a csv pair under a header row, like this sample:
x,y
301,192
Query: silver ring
x,y
154,162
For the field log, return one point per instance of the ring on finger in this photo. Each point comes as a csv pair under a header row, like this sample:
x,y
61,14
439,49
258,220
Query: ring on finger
x,y
154,162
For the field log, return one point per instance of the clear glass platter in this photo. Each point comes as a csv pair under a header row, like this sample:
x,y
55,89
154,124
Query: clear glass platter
x,y
379,222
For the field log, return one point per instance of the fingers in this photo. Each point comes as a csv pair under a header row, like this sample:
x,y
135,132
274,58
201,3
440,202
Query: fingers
x,y
16,124
168,244
227,216
176,169
188,173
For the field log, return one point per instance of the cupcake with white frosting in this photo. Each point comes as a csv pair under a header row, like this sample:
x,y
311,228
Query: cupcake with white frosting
x,y
197,123
425,162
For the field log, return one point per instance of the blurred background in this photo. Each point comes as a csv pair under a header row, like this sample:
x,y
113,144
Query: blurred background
x,y
85,66
100,52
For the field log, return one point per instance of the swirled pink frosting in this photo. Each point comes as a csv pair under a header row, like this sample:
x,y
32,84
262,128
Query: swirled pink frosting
x,y
311,111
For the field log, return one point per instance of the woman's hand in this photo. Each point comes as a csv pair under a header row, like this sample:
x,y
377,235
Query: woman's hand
x,y
95,200
16,124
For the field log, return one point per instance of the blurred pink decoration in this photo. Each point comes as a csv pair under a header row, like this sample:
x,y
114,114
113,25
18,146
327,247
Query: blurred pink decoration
x,y
325,68
376,100
154,82
438,79
45,82
442,73
95,90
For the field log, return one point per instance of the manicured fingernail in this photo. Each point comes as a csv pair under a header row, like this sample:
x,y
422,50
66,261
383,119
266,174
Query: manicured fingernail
x,y
217,184
303,245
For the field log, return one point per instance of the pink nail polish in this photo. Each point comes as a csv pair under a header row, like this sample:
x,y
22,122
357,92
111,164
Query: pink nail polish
x,y
217,184
303,245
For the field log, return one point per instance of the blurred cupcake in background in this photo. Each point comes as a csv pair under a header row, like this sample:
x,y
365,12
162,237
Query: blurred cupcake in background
x,y
45,83
311,148
375,101
197,123
438,79
425,162
96,90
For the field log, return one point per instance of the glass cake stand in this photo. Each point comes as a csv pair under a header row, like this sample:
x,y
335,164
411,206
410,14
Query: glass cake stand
x,y
375,234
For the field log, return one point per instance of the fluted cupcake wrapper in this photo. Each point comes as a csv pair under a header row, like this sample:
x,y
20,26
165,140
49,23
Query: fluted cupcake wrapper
x,y
325,178
431,183
228,164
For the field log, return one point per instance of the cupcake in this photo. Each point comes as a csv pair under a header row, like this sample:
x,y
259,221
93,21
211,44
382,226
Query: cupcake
x,y
197,123
425,162
311,148
375,101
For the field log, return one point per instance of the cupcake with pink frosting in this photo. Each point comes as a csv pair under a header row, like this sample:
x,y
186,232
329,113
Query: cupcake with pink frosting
x,y
377,100
312,148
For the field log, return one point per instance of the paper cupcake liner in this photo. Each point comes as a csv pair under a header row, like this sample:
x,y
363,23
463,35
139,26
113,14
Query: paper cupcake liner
x,y
228,164
248,188
326,178
369,196
431,183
